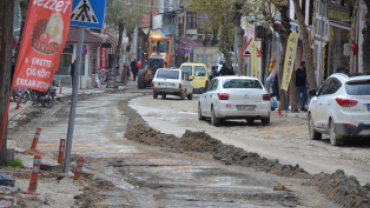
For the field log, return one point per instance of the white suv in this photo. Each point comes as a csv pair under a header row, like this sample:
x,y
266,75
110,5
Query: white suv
x,y
173,82
341,108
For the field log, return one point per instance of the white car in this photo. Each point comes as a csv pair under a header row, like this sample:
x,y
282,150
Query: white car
x,y
172,82
234,97
341,108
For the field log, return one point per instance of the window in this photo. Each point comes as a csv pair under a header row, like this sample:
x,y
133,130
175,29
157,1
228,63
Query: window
x,y
334,86
324,90
188,70
185,76
241,83
213,85
166,74
164,46
191,20
358,88
200,71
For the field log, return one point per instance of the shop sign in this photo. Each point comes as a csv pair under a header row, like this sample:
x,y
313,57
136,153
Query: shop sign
x,y
290,55
338,14
103,63
44,37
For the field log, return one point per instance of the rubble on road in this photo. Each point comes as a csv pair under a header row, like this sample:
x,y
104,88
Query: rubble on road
x,y
336,187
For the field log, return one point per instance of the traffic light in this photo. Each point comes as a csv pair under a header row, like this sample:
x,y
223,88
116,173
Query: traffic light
x,y
325,64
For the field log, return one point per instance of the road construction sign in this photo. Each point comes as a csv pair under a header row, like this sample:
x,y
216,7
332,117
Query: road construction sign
x,y
88,13
247,50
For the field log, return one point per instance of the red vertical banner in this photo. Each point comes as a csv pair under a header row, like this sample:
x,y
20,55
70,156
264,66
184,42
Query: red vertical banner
x,y
44,37
103,62
43,40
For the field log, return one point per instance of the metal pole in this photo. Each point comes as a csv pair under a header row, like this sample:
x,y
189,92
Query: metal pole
x,y
136,34
76,82
236,49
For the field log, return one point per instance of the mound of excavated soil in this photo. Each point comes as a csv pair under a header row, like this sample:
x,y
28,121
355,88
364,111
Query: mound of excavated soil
x,y
337,187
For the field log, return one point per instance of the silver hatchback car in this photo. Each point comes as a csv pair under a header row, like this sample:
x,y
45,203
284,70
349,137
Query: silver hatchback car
x,y
235,97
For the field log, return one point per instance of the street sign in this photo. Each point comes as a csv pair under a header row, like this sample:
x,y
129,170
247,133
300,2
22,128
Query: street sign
x,y
20,90
88,13
182,51
84,51
246,52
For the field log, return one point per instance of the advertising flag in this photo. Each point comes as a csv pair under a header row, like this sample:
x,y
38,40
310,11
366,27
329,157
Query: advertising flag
x,y
103,55
43,40
254,69
290,55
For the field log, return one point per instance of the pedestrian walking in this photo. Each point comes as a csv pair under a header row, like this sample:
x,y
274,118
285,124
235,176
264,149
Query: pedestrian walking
x,y
213,72
232,72
275,87
134,68
301,82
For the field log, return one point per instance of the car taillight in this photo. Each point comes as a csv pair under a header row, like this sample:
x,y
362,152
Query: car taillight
x,y
152,84
206,83
346,102
266,97
223,96
349,125
180,86
149,72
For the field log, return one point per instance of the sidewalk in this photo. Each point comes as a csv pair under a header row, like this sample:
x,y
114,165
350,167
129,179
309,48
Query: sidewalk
x,y
15,114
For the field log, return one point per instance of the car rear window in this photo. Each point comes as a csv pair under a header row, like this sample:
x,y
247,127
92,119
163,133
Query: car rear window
x,y
358,88
200,71
241,83
167,74
187,69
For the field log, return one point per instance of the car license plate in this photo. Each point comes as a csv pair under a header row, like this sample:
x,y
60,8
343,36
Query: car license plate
x,y
246,107
368,107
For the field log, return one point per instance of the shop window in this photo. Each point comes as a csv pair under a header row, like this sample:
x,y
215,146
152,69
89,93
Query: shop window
x,y
339,60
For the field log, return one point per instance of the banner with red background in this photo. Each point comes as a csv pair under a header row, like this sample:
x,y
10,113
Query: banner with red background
x,y
103,63
43,40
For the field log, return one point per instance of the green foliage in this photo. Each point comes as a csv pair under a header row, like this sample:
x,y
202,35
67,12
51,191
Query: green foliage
x,y
130,12
16,163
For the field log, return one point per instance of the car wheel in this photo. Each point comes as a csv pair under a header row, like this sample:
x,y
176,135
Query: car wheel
x,y
313,134
265,121
141,79
333,135
215,121
155,95
200,116
182,96
250,120
190,97
164,96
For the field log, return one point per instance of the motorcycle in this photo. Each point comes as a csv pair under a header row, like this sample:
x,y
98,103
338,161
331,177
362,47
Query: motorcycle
x,y
47,98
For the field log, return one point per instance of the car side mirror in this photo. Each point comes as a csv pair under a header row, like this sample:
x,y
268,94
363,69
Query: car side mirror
x,y
312,92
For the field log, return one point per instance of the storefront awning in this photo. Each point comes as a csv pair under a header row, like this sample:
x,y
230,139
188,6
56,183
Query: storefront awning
x,y
89,38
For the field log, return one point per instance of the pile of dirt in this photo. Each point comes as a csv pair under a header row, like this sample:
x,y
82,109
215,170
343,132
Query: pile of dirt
x,y
337,187
90,198
202,142
342,189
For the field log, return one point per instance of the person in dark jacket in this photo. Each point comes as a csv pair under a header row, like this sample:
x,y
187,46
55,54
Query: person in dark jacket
x,y
301,82
134,68
275,87
224,71
232,72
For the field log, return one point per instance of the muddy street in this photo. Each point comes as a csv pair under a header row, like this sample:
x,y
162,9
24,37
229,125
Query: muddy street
x,y
120,172
285,139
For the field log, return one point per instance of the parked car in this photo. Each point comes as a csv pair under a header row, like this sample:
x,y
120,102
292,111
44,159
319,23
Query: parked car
x,y
172,82
145,76
341,108
236,97
198,73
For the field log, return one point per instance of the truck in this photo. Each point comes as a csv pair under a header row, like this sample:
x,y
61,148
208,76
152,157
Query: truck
x,y
160,57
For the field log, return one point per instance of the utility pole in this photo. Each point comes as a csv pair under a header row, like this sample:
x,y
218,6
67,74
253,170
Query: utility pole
x,y
236,49
136,33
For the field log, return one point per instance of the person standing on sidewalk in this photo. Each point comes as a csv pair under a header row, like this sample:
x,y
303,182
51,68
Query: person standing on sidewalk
x,y
275,87
301,82
134,68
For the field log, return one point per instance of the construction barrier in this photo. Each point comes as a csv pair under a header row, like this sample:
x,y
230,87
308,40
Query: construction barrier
x,y
36,138
279,109
62,149
60,87
35,175
80,163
